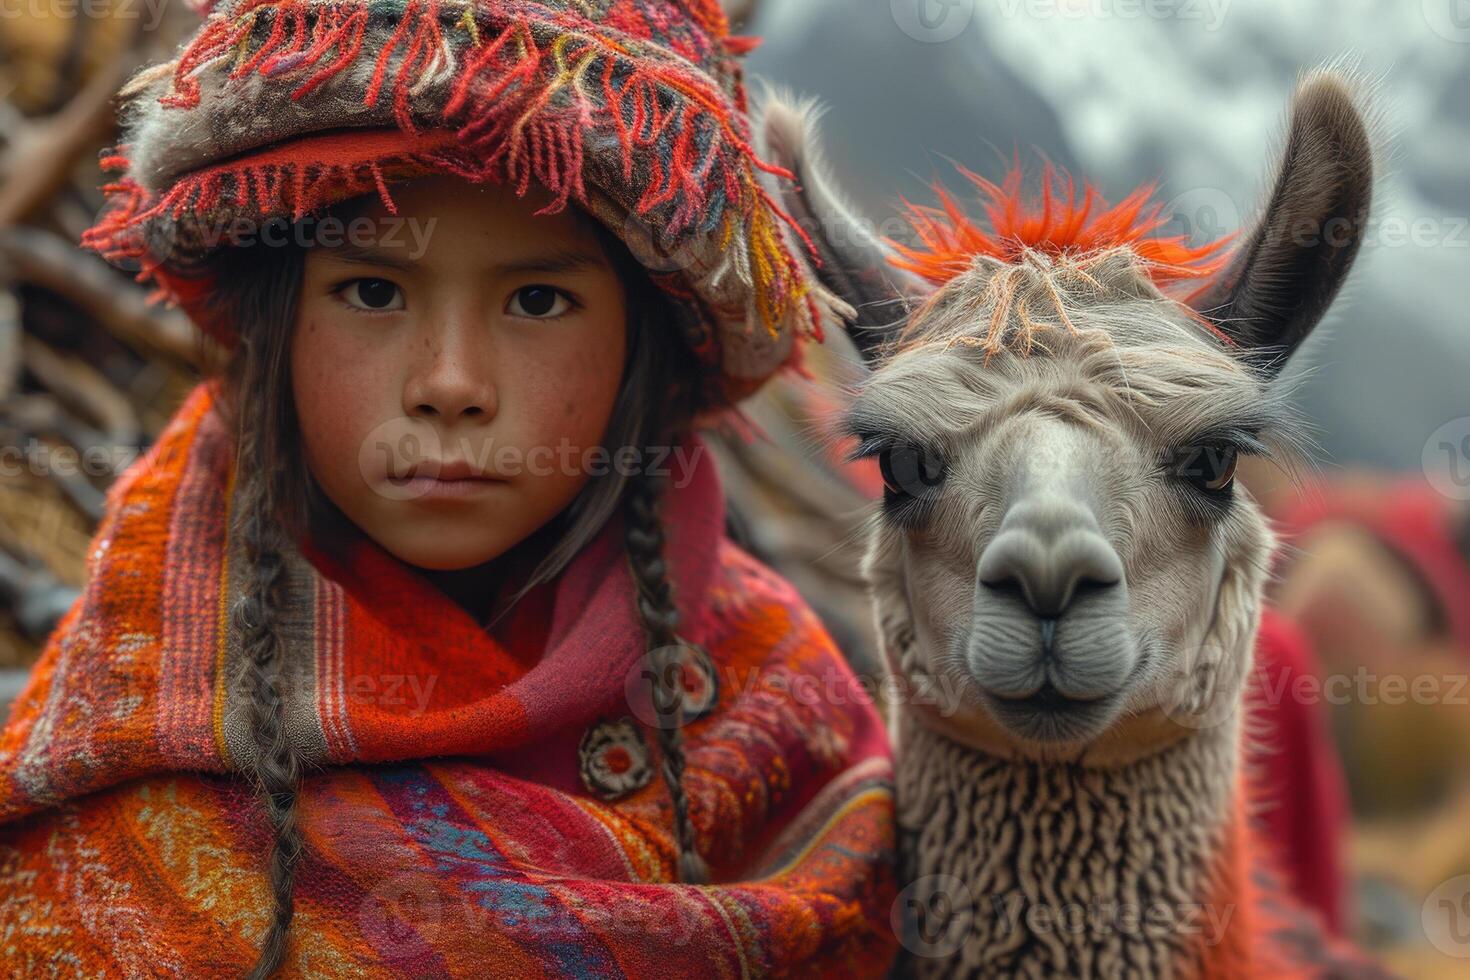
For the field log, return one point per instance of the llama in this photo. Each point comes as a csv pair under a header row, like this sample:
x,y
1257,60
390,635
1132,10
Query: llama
x,y
1065,580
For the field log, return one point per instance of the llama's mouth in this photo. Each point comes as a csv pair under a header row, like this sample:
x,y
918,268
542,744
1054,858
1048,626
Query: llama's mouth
x,y
1048,715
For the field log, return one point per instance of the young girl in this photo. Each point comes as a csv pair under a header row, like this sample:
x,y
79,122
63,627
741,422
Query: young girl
x,y
414,646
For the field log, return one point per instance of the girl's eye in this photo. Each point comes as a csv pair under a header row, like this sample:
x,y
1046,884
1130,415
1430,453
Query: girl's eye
x,y
1209,467
376,295
538,302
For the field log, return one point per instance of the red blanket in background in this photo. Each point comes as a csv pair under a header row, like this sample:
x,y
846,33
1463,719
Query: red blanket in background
x,y
1301,792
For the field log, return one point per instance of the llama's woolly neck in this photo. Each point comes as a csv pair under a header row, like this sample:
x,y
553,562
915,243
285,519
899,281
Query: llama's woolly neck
x,y
1056,870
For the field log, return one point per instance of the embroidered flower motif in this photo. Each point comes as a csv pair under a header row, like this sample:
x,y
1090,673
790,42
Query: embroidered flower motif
x,y
615,759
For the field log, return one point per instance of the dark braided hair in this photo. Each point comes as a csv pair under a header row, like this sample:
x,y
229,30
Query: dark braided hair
x,y
272,505
277,766
256,289
644,539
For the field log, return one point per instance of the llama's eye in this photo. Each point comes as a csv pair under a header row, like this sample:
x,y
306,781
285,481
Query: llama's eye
x,y
1209,467
375,295
538,302
910,471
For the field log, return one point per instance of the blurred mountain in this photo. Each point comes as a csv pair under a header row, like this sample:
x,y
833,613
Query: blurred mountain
x,y
1192,93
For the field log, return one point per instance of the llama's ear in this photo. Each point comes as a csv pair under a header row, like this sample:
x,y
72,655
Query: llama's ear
x,y
853,262
1283,276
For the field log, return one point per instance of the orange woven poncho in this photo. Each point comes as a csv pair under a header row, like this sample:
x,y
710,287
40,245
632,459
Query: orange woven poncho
x,y
476,808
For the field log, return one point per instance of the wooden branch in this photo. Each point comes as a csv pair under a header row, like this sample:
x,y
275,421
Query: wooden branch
x,y
36,597
10,357
83,389
40,157
47,260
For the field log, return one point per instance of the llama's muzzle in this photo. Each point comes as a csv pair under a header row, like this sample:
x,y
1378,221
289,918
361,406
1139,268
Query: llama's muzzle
x,y
1050,645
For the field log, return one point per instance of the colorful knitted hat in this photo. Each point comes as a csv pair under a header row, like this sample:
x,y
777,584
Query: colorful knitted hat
x,y
634,110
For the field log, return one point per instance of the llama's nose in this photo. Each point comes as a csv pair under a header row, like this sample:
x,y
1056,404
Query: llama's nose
x,y
1049,554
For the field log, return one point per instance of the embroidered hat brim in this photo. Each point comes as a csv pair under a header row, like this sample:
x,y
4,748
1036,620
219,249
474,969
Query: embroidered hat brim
x,y
631,109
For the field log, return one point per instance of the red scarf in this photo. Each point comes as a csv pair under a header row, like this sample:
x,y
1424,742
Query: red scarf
x,y
478,806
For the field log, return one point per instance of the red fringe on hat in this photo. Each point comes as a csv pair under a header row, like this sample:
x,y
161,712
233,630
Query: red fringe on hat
x,y
522,87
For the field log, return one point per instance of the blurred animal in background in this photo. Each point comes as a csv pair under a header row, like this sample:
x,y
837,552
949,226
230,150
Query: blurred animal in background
x,y
1066,584
1376,572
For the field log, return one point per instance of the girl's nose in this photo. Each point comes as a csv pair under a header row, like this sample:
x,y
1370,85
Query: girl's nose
x,y
452,379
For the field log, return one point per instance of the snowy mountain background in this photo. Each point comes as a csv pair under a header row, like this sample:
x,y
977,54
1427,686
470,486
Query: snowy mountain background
x,y
1191,93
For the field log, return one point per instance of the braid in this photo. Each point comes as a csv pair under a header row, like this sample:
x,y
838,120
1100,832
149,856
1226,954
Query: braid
x,y
644,540
277,767
268,508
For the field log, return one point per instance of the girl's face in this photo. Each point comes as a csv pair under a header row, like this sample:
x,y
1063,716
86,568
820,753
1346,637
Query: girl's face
x,y
453,368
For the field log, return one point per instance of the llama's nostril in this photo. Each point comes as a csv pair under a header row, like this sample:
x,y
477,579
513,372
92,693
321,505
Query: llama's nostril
x,y
1007,586
1087,585
1049,576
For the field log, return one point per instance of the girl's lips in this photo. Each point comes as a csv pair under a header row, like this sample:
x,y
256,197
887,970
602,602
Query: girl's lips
x,y
420,487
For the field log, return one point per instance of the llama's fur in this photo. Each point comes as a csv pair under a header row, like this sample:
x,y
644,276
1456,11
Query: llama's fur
x,y
1061,871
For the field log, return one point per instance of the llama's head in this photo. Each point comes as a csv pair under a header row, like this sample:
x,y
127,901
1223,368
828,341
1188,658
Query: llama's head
x,y
1063,560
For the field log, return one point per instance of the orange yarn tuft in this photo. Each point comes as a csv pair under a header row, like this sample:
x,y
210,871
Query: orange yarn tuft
x,y
1059,223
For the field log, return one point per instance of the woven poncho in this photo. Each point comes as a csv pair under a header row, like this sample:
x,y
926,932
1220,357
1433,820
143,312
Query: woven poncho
x,y
476,807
